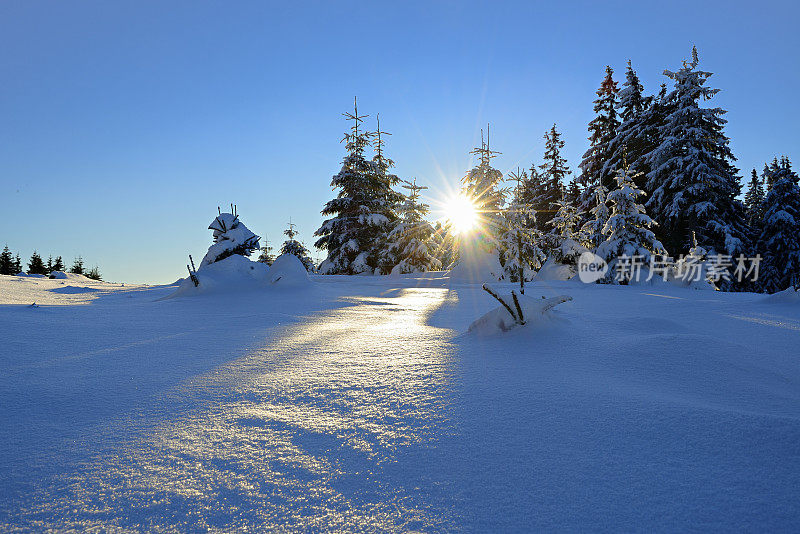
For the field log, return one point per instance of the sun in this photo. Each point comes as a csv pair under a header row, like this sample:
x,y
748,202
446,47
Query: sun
x,y
461,213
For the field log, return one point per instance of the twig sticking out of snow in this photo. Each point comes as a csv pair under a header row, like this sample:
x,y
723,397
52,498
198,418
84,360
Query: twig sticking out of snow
x,y
518,317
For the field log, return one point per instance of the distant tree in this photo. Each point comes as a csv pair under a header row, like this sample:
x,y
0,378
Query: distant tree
x,y
602,131
637,134
566,238
58,265
77,266
481,185
779,242
294,247
36,265
521,244
49,266
17,264
753,199
537,194
94,274
554,172
266,255
6,262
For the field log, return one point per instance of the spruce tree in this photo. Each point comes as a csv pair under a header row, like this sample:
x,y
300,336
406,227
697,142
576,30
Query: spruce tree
x,y
266,256
779,242
58,265
753,199
17,264
480,185
360,212
49,265
521,244
77,266
6,261
636,134
554,172
566,238
382,257
693,181
36,265
296,248
602,130
412,242
598,216
94,274
535,193
627,231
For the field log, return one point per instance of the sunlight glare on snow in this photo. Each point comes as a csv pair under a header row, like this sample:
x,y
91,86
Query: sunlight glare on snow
x,y
461,213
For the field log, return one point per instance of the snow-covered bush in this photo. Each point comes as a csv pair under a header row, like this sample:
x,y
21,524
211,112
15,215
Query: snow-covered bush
x,y
231,237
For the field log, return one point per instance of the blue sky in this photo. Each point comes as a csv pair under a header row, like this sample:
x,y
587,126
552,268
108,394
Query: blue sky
x,y
123,125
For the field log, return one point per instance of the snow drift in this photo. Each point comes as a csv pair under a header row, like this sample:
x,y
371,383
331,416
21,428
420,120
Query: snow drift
x,y
288,270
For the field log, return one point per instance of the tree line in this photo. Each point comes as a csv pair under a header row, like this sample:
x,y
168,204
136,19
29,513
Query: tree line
x,y
11,264
658,178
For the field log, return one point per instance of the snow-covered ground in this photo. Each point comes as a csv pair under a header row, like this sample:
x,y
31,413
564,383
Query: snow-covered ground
x,y
363,404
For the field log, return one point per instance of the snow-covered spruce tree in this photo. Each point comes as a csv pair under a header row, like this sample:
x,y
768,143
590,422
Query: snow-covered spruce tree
x,y
627,231
521,244
636,133
753,199
231,237
480,185
361,211
565,239
296,248
411,242
266,256
536,193
444,238
36,265
602,130
769,174
779,242
693,181
382,255
6,261
554,172
592,230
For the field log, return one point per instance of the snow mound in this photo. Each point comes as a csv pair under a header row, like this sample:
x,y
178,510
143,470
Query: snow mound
x,y
234,273
787,296
58,275
288,270
534,311
477,266
552,271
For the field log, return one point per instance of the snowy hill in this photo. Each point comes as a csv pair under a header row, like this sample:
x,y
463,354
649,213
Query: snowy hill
x,y
367,405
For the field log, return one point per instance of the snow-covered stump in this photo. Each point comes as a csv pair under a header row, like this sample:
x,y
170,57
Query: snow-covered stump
x,y
519,310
